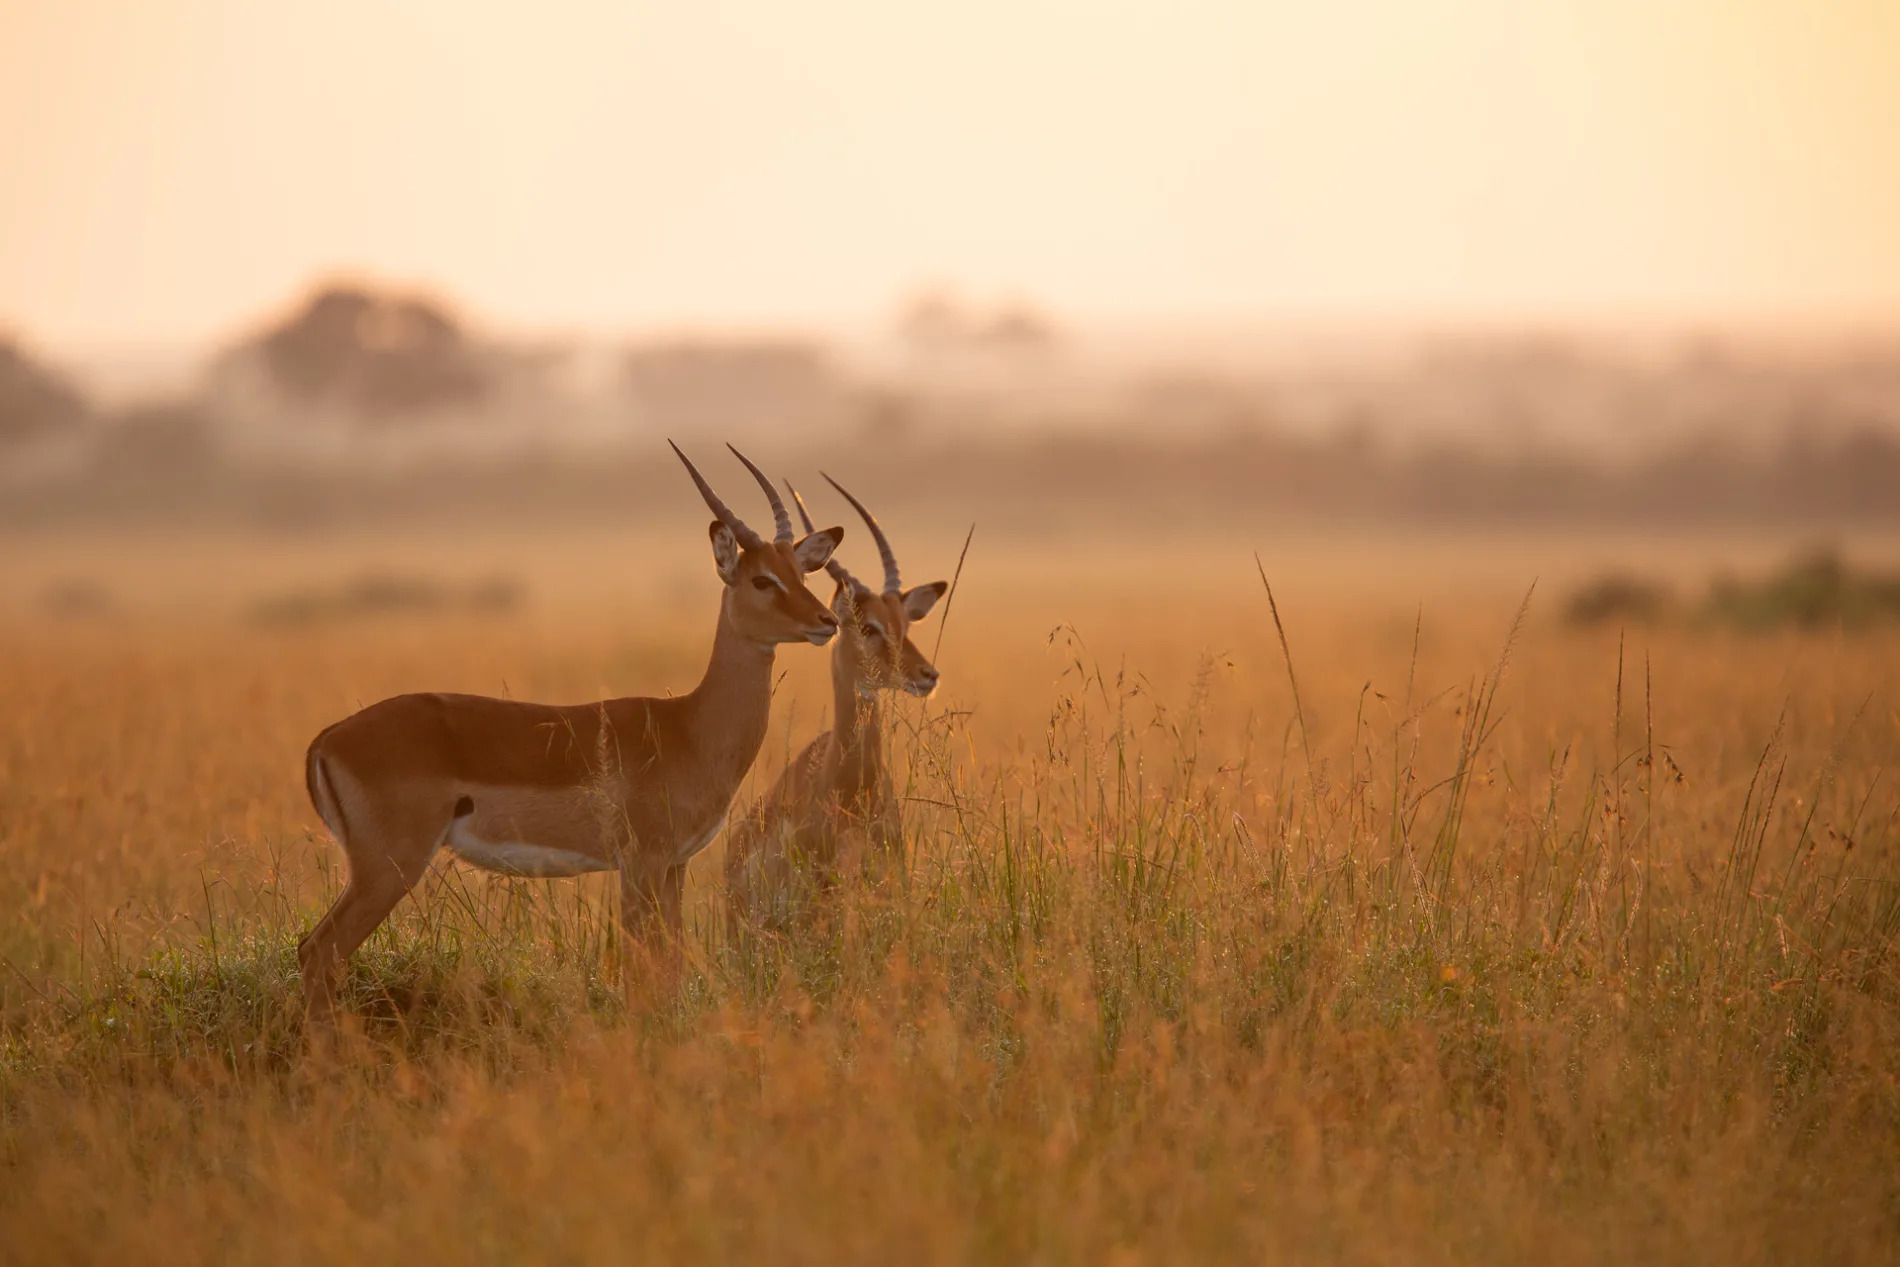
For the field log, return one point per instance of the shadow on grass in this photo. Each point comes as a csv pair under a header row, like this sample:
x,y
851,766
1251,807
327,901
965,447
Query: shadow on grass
x,y
242,1007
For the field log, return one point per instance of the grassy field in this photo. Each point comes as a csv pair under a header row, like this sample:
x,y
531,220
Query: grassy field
x,y
1497,941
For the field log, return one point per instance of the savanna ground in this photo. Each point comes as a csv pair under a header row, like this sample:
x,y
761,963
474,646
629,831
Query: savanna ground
x,y
1506,942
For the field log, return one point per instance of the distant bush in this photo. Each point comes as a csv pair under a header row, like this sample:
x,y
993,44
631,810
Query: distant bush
x,y
1618,596
1817,590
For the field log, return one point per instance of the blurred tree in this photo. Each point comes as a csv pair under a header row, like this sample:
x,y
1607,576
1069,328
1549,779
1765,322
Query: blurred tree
x,y
34,401
376,355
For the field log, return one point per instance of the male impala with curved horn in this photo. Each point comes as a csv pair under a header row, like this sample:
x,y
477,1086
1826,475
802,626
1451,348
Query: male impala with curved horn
x,y
638,785
835,799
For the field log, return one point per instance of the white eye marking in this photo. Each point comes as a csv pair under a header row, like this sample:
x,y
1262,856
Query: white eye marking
x,y
873,627
765,581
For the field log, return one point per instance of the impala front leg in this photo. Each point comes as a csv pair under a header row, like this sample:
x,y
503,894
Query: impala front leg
x,y
651,895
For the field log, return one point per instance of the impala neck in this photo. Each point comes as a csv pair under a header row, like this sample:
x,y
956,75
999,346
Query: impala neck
x,y
857,728
733,701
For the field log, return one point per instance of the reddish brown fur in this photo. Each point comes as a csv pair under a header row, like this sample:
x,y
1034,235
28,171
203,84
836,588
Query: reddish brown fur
x,y
833,806
638,781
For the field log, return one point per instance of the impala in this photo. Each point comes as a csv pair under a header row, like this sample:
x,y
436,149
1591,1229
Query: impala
x,y
634,785
834,804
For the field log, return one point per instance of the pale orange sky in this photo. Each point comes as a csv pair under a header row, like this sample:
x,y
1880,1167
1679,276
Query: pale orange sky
x,y
174,167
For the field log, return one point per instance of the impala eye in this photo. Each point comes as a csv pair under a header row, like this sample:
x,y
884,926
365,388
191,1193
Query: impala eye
x,y
764,583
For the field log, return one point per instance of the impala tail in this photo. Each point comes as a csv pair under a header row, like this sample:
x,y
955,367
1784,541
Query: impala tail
x,y
323,797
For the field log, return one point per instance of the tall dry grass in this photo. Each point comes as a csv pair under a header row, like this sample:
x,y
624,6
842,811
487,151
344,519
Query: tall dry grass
x,y
1503,943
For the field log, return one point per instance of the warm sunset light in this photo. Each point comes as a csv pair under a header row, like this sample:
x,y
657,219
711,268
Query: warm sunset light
x,y
1021,631
171,168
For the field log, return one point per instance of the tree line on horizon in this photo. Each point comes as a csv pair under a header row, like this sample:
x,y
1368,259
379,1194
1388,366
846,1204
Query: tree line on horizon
x,y
1718,433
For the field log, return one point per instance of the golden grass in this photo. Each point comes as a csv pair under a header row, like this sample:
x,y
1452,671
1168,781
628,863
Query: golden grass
x,y
1529,962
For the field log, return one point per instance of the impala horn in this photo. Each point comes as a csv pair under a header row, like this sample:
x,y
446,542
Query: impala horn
x,y
892,585
837,571
779,517
722,512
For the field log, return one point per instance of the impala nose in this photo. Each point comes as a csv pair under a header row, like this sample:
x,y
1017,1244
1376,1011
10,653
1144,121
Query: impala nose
x,y
827,626
924,684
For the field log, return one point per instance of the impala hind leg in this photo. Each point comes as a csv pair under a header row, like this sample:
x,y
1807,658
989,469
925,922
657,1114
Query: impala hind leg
x,y
378,881
365,902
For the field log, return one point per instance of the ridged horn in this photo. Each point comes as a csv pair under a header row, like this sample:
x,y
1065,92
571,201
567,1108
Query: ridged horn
x,y
722,512
834,569
892,583
782,520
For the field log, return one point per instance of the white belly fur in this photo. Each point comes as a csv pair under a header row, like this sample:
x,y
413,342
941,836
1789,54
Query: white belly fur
x,y
544,862
694,844
520,858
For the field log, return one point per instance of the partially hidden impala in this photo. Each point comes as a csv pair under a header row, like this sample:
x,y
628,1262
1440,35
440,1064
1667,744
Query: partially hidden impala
x,y
833,807
635,785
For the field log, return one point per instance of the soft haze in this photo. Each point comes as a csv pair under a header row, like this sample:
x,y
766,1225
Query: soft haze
x,y
171,169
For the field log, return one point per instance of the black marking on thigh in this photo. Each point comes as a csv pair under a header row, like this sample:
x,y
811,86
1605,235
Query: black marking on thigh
x,y
464,806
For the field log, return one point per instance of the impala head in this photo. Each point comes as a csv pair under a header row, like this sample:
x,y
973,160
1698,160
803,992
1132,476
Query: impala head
x,y
766,597
876,648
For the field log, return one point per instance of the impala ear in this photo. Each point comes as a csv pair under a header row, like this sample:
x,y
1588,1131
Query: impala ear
x,y
919,599
725,552
815,551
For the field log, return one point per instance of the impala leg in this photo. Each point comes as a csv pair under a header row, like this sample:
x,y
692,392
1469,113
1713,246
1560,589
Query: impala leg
x,y
742,867
378,880
317,964
650,913
672,905
366,902
760,873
